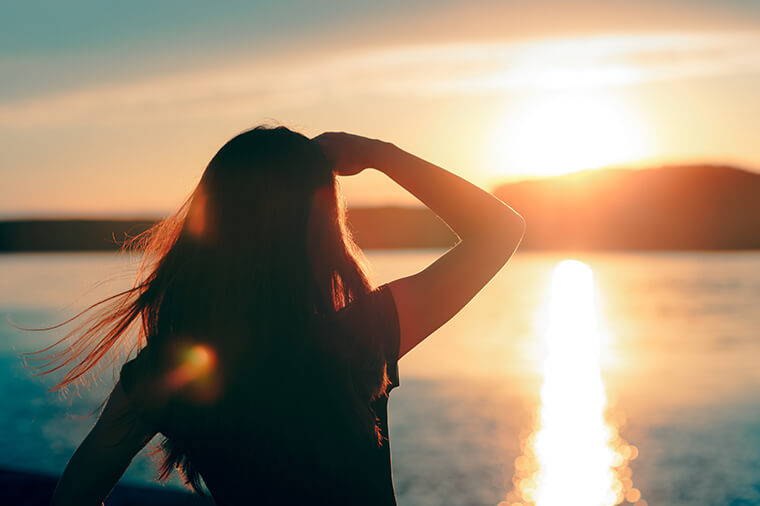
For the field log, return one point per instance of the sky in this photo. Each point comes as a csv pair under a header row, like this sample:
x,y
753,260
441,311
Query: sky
x,y
113,109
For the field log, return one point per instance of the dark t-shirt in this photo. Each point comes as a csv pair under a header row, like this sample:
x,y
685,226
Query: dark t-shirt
x,y
322,465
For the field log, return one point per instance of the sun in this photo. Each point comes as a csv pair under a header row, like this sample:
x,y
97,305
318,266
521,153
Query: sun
x,y
558,133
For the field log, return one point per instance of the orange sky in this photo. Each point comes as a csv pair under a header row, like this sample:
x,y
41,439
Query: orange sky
x,y
119,115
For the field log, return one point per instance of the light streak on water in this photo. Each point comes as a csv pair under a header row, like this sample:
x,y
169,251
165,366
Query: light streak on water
x,y
575,456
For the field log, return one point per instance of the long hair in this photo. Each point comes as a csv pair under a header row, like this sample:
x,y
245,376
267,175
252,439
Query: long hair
x,y
247,267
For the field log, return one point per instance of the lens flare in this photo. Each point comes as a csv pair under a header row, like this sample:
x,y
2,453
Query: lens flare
x,y
197,216
196,364
575,456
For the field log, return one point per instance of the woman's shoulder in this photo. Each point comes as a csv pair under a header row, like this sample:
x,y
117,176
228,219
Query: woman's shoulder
x,y
137,369
370,313
141,378
370,322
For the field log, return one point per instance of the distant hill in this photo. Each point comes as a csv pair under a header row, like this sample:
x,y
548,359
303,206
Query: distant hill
x,y
668,208
386,227
68,235
679,208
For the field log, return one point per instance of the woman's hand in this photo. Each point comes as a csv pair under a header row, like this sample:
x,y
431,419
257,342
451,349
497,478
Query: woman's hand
x,y
350,154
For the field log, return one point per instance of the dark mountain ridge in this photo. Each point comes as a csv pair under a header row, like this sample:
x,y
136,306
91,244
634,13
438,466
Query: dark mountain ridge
x,y
686,207
699,207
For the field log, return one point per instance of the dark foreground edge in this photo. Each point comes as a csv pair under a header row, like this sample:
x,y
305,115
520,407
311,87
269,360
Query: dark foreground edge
x,y
20,488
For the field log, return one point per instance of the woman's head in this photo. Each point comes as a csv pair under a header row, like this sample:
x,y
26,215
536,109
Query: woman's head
x,y
264,178
270,194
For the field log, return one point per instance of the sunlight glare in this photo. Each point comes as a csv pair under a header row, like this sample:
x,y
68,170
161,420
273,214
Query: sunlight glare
x,y
553,134
575,456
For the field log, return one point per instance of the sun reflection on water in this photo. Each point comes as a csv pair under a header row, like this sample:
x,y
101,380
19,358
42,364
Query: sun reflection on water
x,y
575,455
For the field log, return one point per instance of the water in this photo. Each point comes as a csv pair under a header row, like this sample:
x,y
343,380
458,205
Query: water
x,y
677,357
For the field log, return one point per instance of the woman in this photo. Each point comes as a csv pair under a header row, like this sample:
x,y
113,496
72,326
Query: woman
x,y
266,355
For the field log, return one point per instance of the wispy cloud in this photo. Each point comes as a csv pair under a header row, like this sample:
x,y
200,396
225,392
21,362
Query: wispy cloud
x,y
454,68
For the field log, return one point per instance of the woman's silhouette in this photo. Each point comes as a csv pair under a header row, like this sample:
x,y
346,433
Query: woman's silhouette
x,y
265,355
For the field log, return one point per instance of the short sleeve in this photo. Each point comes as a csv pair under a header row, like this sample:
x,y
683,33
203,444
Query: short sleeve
x,y
130,371
138,379
388,315
372,320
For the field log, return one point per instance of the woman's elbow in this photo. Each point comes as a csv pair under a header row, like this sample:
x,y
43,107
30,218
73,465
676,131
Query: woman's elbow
x,y
503,231
503,237
521,225
512,231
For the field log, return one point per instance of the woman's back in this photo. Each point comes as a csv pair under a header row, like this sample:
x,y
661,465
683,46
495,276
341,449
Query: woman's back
x,y
283,433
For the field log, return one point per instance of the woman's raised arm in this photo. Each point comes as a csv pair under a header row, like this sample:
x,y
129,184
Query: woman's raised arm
x,y
489,232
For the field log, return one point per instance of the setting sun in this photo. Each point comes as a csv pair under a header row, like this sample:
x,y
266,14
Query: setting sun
x,y
566,132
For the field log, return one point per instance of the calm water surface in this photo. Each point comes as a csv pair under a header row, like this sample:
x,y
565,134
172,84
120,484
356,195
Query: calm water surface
x,y
647,380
